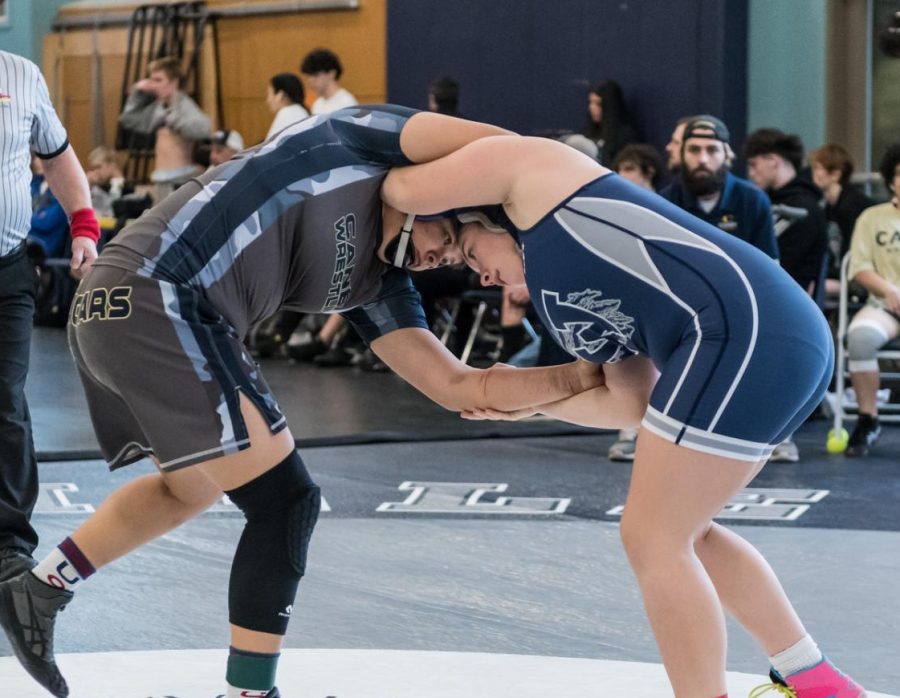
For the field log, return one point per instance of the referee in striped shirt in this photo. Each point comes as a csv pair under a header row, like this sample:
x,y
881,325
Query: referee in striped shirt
x,y
28,124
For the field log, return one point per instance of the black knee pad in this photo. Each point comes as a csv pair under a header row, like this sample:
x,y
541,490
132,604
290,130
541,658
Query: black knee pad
x,y
281,507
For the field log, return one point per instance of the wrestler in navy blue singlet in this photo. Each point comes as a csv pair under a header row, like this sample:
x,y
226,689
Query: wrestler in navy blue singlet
x,y
744,353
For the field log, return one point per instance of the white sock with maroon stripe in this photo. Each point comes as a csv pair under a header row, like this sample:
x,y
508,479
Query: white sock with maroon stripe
x,y
65,567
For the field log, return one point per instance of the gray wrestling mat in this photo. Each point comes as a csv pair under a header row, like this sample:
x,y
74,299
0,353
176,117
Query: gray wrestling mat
x,y
404,561
459,568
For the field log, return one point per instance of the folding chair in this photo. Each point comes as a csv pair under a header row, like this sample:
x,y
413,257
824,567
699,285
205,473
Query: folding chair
x,y
844,408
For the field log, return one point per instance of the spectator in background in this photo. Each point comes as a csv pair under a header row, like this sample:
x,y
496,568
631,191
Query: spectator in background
x,y
322,70
284,97
443,96
225,145
639,163
832,167
582,144
874,263
774,160
49,223
709,190
106,180
609,123
673,147
157,105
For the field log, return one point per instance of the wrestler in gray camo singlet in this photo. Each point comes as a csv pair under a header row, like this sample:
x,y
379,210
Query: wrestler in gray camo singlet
x,y
293,222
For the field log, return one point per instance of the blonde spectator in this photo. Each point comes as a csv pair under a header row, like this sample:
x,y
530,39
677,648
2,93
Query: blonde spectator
x,y
106,179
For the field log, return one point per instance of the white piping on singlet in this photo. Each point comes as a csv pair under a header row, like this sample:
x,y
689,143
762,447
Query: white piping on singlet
x,y
706,246
661,286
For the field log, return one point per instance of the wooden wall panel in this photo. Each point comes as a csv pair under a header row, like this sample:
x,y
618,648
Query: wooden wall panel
x,y
251,49
845,77
77,103
255,48
69,66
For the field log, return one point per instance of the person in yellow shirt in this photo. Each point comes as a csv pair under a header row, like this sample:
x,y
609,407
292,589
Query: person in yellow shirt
x,y
874,264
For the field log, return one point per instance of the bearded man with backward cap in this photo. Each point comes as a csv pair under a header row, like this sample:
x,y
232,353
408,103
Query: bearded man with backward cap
x,y
708,189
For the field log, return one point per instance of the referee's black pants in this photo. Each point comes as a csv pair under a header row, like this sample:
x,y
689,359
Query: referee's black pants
x,y
18,466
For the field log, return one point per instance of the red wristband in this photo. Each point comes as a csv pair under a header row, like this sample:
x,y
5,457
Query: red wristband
x,y
83,223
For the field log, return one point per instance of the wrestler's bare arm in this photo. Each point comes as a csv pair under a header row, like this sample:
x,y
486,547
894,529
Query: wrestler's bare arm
x,y
529,176
422,361
619,403
427,136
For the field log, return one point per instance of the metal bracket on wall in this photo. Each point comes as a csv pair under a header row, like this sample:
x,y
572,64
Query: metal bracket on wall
x,y
276,7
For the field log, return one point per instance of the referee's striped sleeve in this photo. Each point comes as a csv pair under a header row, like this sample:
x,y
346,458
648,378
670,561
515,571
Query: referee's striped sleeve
x,y
48,136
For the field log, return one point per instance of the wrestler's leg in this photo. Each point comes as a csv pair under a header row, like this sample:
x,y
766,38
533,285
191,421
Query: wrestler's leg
x,y
675,492
281,504
143,510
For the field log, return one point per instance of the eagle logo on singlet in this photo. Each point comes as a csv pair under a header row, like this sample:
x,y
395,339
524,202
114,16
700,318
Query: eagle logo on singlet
x,y
589,326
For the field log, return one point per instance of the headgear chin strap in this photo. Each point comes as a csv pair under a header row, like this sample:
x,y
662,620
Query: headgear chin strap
x,y
399,260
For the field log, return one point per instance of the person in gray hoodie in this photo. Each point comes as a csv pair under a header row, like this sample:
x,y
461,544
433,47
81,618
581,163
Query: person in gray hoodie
x,y
158,107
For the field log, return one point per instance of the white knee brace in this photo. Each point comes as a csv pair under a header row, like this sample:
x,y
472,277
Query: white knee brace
x,y
864,339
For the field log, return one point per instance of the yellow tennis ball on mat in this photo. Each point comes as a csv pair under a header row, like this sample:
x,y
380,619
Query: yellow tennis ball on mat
x,y
837,443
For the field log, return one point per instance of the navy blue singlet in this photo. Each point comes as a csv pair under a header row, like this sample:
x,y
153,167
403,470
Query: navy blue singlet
x,y
744,353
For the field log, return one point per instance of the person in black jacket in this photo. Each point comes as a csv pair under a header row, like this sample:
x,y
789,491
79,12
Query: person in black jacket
x,y
774,160
832,167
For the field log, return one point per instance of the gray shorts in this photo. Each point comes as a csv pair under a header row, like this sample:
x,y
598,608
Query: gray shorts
x,y
162,371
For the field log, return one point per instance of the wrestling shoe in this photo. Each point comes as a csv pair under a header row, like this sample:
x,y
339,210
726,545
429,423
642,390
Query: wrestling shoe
x,y
823,680
14,561
623,448
28,609
265,346
369,362
335,357
864,436
304,347
785,452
